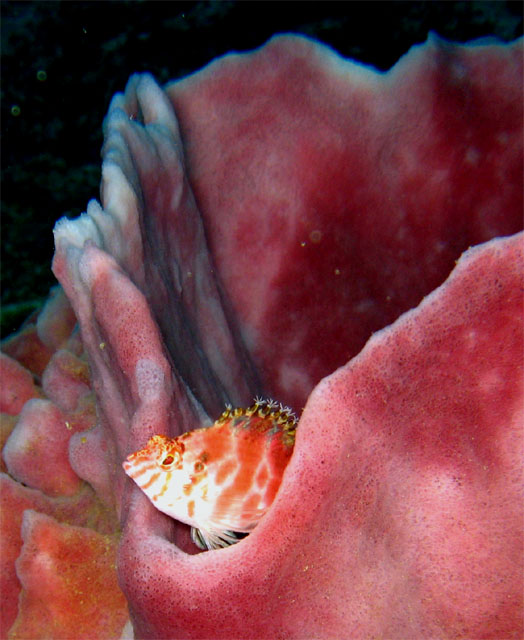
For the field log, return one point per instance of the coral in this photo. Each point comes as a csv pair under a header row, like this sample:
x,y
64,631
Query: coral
x,y
261,219
77,565
62,514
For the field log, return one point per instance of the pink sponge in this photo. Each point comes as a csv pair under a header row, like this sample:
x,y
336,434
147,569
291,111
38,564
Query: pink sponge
x,y
81,598
66,379
82,509
26,347
400,513
259,221
38,443
17,386
335,197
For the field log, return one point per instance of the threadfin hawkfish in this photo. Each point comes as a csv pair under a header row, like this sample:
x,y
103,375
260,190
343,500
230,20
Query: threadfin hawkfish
x,y
220,479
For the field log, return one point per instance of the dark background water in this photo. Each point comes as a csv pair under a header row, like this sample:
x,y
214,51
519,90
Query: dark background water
x,y
62,62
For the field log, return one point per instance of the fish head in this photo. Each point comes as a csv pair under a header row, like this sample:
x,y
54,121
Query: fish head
x,y
167,472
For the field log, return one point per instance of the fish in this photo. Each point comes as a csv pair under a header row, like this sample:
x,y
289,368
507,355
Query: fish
x,y
222,479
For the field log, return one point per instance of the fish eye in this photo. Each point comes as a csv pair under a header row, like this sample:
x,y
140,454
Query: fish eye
x,y
199,466
168,461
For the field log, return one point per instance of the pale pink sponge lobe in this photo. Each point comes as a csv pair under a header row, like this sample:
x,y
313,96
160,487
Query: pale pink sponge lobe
x,y
66,379
38,443
18,385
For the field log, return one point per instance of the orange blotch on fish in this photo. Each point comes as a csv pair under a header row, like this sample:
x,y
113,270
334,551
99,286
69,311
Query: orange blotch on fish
x,y
151,481
220,480
224,471
253,502
262,476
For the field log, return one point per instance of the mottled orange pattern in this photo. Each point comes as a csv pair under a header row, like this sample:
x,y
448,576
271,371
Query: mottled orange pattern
x,y
220,479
